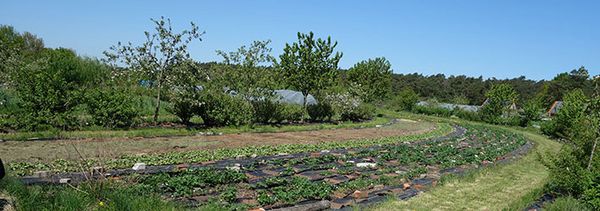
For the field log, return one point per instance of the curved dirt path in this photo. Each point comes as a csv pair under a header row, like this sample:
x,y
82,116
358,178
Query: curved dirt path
x,y
15,151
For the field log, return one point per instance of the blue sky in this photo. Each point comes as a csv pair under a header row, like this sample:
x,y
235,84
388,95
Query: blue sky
x,y
501,39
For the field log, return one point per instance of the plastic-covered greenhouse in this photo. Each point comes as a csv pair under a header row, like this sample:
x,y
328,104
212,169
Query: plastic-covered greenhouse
x,y
294,97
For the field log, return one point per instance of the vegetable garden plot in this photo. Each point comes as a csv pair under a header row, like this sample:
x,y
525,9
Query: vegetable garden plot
x,y
343,177
340,176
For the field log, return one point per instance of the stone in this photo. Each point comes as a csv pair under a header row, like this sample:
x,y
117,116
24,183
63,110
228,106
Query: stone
x,y
253,155
366,165
378,126
139,166
235,167
325,151
220,134
400,172
360,194
282,154
64,180
1,140
257,209
239,157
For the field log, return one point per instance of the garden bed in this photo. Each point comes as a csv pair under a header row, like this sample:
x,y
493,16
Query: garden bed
x,y
330,175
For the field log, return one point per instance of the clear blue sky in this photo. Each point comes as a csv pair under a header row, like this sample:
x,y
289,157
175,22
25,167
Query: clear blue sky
x,y
500,39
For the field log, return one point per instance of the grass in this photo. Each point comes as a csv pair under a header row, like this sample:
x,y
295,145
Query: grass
x,y
87,196
165,132
510,186
566,203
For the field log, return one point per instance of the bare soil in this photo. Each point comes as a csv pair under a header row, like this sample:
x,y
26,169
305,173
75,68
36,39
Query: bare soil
x,y
46,151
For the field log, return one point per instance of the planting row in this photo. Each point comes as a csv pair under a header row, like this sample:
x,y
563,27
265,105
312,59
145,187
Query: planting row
x,y
179,157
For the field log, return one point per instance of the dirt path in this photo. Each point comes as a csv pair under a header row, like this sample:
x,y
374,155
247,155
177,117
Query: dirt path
x,y
46,151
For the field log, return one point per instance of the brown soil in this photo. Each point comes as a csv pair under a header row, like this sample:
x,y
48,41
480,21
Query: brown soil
x,y
46,151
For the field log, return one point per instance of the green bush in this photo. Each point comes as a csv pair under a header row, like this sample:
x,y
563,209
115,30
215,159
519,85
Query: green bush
x,y
322,111
220,109
570,113
591,195
290,113
112,108
184,104
266,110
405,100
360,113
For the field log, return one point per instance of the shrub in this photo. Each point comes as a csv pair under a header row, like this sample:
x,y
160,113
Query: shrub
x,y
322,111
220,109
266,110
499,98
405,100
290,113
184,104
570,113
49,91
532,111
112,107
360,113
591,195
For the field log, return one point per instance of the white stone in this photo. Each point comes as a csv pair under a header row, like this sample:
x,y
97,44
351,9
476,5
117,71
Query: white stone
x,y
378,126
139,166
253,155
366,165
64,180
325,151
234,168
400,172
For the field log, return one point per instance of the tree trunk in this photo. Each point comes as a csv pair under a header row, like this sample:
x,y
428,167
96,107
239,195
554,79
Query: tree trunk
x,y
592,154
157,109
304,105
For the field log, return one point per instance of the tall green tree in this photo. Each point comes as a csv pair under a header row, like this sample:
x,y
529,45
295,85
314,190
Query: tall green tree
x,y
246,70
499,98
374,77
309,65
158,56
17,50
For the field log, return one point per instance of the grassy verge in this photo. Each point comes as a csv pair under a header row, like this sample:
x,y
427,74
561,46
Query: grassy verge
x,y
511,186
88,196
163,132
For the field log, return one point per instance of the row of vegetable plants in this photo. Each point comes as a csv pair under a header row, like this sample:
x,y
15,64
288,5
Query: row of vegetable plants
x,y
334,175
179,157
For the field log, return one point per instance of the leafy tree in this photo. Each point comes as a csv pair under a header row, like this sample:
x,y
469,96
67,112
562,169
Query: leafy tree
x,y
49,90
532,111
16,50
575,170
405,100
374,76
309,65
156,58
569,114
243,72
499,98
